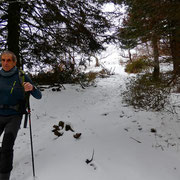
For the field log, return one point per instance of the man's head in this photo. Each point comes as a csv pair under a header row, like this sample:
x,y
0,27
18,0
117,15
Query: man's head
x,y
8,60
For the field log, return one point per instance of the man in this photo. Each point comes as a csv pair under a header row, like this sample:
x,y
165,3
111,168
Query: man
x,y
12,94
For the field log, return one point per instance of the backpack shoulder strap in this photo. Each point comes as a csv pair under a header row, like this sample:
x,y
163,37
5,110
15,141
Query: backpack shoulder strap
x,y
21,76
26,96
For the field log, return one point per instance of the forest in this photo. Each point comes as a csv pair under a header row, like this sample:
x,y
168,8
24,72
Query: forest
x,y
65,34
109,75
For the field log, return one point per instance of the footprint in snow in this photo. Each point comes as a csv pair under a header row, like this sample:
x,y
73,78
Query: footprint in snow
x,y
105,114
53,117
93,165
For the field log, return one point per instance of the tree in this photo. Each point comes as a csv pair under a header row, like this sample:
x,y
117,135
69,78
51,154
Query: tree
x,y
141,21
13,28
127,40
153,21
39,32
173,29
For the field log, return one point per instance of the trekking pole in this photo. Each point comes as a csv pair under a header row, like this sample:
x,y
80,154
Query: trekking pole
x,y
30,129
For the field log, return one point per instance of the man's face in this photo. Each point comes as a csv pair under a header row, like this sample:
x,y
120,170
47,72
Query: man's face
x,y
7,62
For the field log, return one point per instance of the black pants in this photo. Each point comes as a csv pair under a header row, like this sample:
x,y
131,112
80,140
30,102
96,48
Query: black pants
x,y
10,125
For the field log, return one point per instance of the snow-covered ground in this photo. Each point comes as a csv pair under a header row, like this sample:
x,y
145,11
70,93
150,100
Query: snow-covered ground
x,y
124,146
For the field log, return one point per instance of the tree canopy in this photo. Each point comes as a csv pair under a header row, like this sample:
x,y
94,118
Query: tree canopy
x,y
40,31
45,31
153,21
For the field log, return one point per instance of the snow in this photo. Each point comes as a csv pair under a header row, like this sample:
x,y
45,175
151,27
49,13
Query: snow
x,y
124,146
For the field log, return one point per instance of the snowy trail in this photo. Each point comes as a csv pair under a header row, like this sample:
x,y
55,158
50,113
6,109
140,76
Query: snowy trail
x,y
108,127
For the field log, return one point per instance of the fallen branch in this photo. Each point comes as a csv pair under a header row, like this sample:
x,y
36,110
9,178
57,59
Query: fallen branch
x,y
136,140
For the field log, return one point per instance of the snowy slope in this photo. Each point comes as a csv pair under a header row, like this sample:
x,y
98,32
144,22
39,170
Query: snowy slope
x,y
124,146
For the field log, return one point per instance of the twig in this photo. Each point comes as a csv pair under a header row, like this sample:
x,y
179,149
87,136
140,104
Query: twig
x,y
136,140
88,161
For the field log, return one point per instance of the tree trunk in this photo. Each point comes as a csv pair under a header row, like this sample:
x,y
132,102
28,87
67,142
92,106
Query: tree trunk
x,y
156,57
14,29
130,56
175,50
174,22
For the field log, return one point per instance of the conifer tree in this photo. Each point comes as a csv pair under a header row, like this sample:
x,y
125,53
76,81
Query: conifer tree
x,y
40,31
153,21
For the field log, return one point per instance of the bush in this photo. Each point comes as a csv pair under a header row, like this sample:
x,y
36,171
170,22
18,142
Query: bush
x,y
50,78
64,77
68,76
145,93
91,76
138,65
